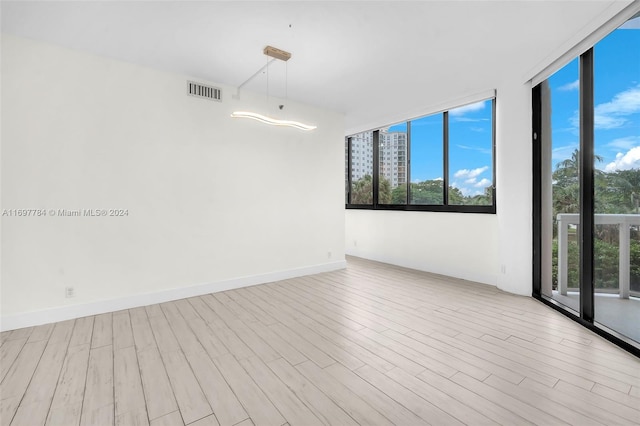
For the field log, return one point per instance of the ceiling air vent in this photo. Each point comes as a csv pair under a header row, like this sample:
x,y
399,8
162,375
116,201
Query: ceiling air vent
x,y
203,91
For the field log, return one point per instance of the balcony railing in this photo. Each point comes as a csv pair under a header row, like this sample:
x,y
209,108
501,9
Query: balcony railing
x,y
624,222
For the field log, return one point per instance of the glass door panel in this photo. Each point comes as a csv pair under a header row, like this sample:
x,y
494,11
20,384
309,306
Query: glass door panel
x,y
561,187
617,180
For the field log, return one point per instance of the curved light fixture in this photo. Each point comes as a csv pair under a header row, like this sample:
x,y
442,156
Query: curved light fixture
x,y
273,121
282,55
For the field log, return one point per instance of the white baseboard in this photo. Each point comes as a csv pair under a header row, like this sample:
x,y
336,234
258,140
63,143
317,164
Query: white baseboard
x,y
62,313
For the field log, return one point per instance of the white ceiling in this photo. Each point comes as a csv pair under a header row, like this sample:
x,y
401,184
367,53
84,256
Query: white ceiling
x,y
377,62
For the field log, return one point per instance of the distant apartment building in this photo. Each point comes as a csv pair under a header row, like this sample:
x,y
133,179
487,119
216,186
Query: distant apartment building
x,y
393,156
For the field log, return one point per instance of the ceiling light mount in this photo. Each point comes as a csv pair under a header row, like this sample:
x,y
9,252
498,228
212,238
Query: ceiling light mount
x,y
274,52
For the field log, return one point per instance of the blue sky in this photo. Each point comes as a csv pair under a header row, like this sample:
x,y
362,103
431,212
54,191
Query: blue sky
x,y
470,158
617,100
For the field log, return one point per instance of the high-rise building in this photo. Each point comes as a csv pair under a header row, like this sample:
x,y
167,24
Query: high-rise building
x,y
393,156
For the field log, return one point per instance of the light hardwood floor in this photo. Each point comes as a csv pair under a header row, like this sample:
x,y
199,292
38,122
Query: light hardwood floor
x,y
372,345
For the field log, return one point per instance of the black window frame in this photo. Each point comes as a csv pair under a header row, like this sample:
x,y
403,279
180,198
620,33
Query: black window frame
x,y
445,207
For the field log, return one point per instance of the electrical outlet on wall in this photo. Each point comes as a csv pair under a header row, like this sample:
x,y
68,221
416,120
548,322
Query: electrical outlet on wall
x,y
69,292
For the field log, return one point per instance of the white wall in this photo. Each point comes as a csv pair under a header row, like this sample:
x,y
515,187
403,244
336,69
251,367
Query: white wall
x,y
514,187
453,244
491,249
213,202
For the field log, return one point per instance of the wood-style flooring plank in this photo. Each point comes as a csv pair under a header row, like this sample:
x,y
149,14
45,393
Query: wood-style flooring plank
x,y
17,379
529,412
142,334
459,410
98,404
8,354
122,331
69,394
260,408
191,400
373,396
172,419
36,402
550,406
475,401
41,332
421,407
574,402
130,406
102,330
320,404
158,394
286,401
82,331
350,402
225,404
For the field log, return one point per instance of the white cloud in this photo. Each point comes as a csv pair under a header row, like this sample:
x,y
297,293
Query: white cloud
x,y
469,119
563,152
630,160
483,183
625,143
466,173
475,148
468,182
574,85
613,114
467,108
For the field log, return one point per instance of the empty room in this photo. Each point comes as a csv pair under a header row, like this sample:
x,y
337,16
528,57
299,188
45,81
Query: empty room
x,y
320,213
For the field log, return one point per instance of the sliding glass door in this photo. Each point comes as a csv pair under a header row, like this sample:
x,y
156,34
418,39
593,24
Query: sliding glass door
x,y
587,186
616,91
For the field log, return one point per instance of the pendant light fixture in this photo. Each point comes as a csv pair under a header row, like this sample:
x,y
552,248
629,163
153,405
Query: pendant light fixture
x,y
275,54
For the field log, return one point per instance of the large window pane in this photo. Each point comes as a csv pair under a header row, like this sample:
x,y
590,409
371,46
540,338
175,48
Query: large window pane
x,y
617,180
560,114
427,156
362,168
393,165
471,154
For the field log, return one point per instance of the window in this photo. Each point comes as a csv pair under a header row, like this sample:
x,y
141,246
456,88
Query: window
x,y
440,162
471,154
361,177
427,160
392,186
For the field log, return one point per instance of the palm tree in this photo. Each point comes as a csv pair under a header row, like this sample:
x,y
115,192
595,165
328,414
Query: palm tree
x,y
566,183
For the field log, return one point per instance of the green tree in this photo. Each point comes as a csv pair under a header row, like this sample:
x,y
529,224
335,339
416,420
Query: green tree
x,y
485,199
362,190
384,191
427,192
456,197
399,194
